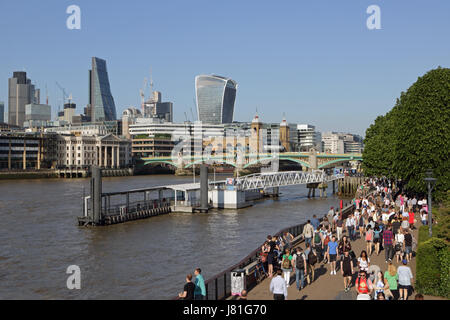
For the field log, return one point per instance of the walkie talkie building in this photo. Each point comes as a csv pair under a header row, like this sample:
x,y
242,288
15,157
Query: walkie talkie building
x,y
215,98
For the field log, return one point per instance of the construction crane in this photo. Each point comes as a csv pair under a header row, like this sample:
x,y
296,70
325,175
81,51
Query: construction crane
x,y
63,92
151,82
142,94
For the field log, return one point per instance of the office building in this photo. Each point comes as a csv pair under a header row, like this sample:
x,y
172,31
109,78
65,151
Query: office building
x,y
101,102
81,151
177,131
155,108
215,98
22,151
37,115
2,112
20,93
338,142
89,128
129,116
307,138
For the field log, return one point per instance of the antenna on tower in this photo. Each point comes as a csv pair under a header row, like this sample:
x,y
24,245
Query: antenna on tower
x,y
46,94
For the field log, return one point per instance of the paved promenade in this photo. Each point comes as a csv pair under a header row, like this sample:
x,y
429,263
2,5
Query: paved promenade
x,y
331,287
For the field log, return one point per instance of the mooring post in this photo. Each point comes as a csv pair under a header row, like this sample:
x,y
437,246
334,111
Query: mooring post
x,y
96,195
204,188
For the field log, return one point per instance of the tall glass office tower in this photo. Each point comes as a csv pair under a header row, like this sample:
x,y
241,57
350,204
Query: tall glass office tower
x,y
215,98
101,101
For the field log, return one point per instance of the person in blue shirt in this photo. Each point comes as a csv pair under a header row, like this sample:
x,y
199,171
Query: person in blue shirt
x,y
332,253
315,222
200,289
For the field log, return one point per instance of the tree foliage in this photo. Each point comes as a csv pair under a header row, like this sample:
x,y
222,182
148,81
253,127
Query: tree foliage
x,y
414,135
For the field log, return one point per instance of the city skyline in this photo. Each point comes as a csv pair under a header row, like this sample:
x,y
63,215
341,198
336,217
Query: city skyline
x,y
318,63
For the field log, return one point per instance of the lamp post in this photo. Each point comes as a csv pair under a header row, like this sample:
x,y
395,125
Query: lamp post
x,y
430,183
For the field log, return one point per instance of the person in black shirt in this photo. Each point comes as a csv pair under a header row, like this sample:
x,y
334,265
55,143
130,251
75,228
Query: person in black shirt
x,y
188,291
408,245
271,257
396,223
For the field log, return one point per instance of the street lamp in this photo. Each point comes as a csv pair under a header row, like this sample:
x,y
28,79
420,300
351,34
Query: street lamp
x,y
430,182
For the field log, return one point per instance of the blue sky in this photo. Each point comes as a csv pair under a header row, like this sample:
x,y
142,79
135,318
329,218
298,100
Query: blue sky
x,y
314,61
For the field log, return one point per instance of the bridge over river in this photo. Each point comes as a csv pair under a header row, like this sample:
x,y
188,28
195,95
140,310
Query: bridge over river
x,y
311,160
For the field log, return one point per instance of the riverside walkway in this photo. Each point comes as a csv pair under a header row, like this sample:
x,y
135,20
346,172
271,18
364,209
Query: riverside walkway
x,y
331,287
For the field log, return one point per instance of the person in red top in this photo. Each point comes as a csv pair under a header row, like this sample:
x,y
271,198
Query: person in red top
x,y
411,219
363,285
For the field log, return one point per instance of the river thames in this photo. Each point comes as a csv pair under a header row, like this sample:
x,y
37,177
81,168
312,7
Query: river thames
x,y
143,259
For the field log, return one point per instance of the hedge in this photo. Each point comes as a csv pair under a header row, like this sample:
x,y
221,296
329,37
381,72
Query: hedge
x,y
433,266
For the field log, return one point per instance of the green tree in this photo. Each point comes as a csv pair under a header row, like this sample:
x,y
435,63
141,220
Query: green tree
x,y
414,135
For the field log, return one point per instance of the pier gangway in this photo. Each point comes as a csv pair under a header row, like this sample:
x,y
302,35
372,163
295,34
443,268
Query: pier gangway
x,y
284,178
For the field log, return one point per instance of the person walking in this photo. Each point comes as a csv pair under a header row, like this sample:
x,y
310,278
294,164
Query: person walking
x,y
347,270
332,254
286,266
344,245
300,267
411,219
361,223
388,241
399,244
315,222
404,280
278,287
311,262
330,216
363,285
326,237
271,255
188,290
308,232
363,262
369,240
339,224
377,239
391,278
318,243
200,289
408,245
287,239
350,224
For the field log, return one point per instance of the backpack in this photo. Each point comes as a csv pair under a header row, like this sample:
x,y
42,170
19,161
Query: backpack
x,y
327,239
300,261
317,238
312,259
286,263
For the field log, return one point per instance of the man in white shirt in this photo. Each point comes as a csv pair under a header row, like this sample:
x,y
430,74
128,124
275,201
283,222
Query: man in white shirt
x,y
404,280
278,287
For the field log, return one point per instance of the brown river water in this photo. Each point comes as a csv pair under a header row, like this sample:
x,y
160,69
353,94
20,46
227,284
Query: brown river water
x,y
143,259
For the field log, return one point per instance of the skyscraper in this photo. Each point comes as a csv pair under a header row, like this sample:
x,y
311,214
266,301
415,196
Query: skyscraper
x,y
20,93
101,103
2,112
215,98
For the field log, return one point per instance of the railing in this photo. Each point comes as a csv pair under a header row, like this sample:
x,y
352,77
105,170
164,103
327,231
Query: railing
x,y
134,207
283,178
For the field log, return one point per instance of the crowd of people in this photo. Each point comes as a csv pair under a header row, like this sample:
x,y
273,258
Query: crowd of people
x,y
382,218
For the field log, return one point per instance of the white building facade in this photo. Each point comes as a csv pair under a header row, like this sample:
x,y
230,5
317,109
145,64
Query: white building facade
x,y
108,151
